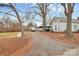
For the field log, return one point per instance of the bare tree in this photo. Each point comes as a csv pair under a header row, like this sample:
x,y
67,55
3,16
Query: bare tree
x,y
43,11
18,17
16,12
1,25
6,22
29,16
68,10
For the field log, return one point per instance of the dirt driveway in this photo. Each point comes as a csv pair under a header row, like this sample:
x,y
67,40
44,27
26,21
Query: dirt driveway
x,y
45,46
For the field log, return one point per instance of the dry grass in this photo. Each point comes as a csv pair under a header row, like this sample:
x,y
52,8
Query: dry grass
x,y
61,37
15,46
8,34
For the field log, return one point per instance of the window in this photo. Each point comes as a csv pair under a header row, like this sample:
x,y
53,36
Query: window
x,y
75,27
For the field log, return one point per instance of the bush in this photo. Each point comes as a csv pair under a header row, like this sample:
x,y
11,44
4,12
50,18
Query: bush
x,y
65,30
78,31
47,30
51,30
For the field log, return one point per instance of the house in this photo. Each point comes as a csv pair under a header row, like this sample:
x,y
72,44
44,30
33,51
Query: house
x,y
59,24
40,28
33,29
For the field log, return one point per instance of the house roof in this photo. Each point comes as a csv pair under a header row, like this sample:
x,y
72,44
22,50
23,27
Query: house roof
x,y
62,19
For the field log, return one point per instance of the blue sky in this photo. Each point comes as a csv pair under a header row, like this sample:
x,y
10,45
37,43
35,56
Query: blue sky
x,y
25,6
56,11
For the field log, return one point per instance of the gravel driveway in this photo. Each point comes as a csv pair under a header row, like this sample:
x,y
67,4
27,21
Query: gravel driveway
x,y
44,46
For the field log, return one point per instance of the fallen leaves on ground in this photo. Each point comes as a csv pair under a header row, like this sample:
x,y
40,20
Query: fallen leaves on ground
x,y
61,37
16,46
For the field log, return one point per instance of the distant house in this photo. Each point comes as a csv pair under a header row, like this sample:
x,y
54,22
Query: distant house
x,y
33,28
59,24
40,28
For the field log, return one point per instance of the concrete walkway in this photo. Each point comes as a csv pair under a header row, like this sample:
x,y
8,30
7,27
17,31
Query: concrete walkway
x,y
44,46
72,52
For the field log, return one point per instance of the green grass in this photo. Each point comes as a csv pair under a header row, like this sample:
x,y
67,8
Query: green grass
x,y
8,34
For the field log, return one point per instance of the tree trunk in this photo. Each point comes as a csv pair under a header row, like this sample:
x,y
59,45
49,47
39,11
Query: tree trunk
x,y
51,29
21,27
18,17
44,23
69,26
68,13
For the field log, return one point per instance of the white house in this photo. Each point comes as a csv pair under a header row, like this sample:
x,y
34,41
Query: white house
x,y
59,24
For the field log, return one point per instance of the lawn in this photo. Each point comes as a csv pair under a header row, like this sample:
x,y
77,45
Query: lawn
x,y
8,34
11,45
11,34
